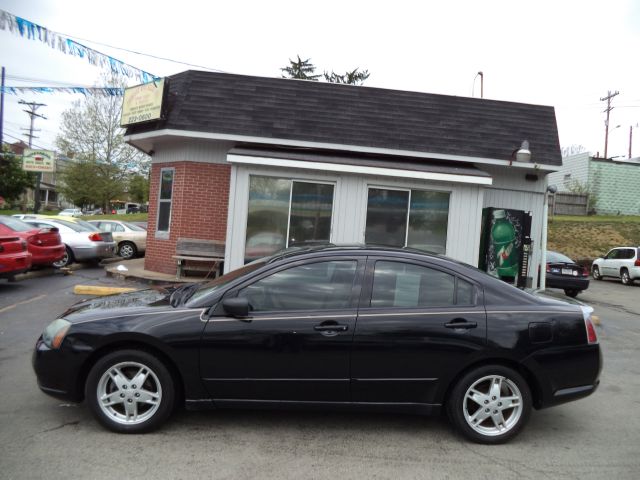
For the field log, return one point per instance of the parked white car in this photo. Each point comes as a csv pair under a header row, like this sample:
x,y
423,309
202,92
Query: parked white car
x,y
620,262
71,212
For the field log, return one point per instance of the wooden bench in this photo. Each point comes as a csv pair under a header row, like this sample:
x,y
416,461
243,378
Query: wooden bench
x,y
198,252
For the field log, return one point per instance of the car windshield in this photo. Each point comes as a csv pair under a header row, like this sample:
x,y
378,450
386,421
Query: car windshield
x,y
133,227
220,282
555,257
15,224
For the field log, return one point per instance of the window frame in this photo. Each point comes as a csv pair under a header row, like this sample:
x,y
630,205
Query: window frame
x,y
291,180
408,216
164,234
367,289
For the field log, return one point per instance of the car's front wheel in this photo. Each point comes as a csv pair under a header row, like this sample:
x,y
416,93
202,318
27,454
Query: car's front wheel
x,y
596,273
130,391
490,404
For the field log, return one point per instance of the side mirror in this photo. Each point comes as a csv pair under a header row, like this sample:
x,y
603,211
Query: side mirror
x,y
236,307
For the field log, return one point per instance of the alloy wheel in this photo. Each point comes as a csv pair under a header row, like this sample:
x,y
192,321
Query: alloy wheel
x,y
127,250
492,405
129,393
625,277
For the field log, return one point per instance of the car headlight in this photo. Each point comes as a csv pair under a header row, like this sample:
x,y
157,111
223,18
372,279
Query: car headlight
x,y
54,334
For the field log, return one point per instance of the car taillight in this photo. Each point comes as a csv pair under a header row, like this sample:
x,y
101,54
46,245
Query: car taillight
x,y
636,263
95,237
585,271
592,337
548,268
35,239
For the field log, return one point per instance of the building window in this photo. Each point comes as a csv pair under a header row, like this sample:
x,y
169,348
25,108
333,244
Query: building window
x,y
164,199
285,213
408,218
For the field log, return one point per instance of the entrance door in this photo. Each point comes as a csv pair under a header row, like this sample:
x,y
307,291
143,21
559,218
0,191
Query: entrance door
x,y
296,344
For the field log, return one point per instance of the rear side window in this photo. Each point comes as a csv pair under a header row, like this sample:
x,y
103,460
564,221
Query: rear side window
x,y
629,253
403,285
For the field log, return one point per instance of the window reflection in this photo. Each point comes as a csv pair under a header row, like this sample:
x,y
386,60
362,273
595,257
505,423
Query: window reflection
x,y
386,217
312,287
278,206
428,219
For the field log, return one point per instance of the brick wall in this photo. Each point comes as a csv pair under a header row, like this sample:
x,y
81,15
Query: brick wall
x,y
199,209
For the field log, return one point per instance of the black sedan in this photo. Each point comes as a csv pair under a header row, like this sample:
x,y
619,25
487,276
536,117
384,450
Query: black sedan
x,y
564,273
326,327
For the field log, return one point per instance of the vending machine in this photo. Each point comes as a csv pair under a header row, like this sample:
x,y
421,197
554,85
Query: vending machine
x,y
505,245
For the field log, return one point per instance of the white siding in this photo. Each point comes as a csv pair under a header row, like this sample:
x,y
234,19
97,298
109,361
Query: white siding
x,y
575,168
350,209
201,151
510,190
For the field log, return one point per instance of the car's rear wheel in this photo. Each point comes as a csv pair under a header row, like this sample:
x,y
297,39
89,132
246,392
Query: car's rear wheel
x,y
127,250
66,260
596,273
625,277
130,391
570,292
490,404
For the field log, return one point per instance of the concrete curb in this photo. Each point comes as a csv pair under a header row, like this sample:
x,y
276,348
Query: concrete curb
x,y
49,271
100,290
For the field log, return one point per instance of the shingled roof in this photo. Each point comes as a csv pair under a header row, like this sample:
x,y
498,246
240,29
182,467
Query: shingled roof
x,y
325,113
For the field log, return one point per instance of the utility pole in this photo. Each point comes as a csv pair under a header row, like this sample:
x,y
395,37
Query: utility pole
x,y
2,110
606,123
32,107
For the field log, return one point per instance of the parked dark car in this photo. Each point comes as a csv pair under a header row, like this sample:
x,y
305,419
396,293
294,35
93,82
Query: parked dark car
x,y
564,273
357,328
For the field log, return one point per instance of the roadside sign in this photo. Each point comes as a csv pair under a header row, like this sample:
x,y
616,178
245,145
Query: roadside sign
x,y
38,160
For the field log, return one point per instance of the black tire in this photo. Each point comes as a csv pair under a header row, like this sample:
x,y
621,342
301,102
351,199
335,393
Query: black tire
x,y
152,402
596,273
67,260
486,430
625,278
569,292
127,250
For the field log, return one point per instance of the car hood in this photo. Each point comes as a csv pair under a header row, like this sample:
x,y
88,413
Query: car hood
x,y
119,305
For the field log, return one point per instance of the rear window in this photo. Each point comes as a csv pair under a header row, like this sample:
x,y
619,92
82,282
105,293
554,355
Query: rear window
x,y
15,224
555,257
76,227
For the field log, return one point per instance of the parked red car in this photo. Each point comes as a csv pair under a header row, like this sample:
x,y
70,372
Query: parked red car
x,y
44,244
14,256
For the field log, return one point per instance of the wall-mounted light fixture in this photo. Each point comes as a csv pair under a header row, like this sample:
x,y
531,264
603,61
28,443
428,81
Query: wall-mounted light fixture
x,y
524,154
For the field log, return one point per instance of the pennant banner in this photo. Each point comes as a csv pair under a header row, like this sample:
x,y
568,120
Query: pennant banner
x,y
33,31
100,91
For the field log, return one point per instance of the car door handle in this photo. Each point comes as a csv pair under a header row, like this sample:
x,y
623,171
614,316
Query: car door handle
x,y
331,328
461,323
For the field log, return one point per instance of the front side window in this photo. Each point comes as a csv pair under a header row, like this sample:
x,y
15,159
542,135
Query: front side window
x,y
404,285
407,218
312,287
284,213
164,199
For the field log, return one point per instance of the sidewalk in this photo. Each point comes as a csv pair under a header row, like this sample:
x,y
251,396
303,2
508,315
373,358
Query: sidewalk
x,y
134,269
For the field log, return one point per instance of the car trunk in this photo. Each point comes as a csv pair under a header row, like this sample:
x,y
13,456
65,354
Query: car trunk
x,y
565,269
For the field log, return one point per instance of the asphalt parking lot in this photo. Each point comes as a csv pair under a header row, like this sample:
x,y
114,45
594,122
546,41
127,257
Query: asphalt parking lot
x,y
41,437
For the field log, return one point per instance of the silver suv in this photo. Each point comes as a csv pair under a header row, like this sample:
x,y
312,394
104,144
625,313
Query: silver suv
x,y
620,262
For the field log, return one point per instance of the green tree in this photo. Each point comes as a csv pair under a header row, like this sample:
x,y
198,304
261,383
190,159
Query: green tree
x,y
300,69
89,182
91,135
305,70
139,188
354,77
14,181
